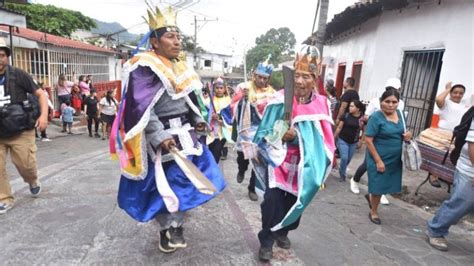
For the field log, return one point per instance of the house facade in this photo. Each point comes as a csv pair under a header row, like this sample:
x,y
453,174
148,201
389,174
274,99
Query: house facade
x,y
424,43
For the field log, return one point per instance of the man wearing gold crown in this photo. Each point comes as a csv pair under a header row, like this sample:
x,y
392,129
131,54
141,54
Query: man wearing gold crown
x,y
157,136
293,159
248,105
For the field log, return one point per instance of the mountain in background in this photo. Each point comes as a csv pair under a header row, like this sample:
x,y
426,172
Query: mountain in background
x,y
107,28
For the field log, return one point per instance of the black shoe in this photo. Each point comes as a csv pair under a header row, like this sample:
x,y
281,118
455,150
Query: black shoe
x,y
176,238
90,135
375,220
240,177
253,196
35,189
283,242
265,254
164,243
96,135
223,158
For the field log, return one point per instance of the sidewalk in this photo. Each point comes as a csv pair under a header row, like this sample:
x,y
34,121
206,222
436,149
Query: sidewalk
x,y
76,220
429,198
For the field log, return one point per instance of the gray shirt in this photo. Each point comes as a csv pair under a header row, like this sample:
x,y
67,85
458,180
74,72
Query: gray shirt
x,y
155,130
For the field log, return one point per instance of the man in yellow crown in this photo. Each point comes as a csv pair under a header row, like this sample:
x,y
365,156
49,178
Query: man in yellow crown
x,y
294,158
158,136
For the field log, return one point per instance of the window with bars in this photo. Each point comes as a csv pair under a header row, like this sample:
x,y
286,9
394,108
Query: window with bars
x,y
45,65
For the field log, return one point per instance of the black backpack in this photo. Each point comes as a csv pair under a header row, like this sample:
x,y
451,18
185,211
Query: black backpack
x,y
17,117
459,136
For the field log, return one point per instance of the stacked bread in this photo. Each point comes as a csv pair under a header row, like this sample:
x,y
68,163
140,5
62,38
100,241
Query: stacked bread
x,y
436,138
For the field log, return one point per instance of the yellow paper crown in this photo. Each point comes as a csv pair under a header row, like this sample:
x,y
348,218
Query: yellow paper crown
x,y
308,61
158,19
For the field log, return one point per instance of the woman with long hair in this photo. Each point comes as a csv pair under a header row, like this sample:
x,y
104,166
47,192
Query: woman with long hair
x,y
347,135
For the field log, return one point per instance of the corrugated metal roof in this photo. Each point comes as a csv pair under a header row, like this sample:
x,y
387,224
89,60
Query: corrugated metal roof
x,y
54,40
360,13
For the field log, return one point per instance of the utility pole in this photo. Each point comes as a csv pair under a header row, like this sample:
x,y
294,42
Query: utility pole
x,y
195,43
196,20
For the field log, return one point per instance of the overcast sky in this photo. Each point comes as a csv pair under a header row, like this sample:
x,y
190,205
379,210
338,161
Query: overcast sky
x,y
238,23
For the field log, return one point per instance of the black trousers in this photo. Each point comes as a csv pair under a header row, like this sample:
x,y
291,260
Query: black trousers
x,y
243,166
360,171
274,207
89,123
216,148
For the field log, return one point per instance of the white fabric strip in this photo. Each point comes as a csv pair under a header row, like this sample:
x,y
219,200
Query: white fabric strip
x,y
169,198
193,173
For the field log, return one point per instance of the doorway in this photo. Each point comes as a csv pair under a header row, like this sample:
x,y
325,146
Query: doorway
x,y
420,78
341,72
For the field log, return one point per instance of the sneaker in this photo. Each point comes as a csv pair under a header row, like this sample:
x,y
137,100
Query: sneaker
x,y
223,158
283,242
4,207
164,243
384,200
253,196
438,243
35,189
176,238
45,139
97,135
240,177
354,186
265,254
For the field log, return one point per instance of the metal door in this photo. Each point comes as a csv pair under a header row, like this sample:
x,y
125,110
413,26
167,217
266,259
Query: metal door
x,y
420,77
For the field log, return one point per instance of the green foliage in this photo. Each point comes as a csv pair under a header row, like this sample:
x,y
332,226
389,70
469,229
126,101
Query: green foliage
x,y
277,80
260,53
283,37
53,20
187,43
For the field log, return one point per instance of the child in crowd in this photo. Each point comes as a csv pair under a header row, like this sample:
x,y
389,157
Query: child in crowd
x,y
67,115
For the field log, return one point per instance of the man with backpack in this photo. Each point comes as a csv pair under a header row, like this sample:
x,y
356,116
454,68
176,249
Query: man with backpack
x,y
19,115
461,201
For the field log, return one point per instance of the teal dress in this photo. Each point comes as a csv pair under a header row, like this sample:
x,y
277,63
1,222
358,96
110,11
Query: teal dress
x,y
388,143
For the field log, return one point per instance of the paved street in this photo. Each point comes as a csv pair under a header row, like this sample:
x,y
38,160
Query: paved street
x,y
76,221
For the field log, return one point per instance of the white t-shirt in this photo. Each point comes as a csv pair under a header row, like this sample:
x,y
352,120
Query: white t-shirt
x,y
374,106
4,99
451,113
464,164
108,109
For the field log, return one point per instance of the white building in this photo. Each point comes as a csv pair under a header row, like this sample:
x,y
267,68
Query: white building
x,y
210,66
425,43
9,17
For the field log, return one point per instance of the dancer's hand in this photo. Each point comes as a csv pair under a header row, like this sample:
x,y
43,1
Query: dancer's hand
x,y
290,135
201,127
167,144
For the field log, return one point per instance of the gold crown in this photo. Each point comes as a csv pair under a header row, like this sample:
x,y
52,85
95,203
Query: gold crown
x,y
309,61
159,19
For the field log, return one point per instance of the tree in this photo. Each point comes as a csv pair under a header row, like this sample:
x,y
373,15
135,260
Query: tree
x,y
283,37
260,52
53,20
188,44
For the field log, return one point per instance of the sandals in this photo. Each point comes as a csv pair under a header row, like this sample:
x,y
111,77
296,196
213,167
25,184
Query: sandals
x,y
374,220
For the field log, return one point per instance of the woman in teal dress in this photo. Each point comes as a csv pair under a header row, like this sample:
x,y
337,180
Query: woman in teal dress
x,y
384,136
